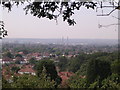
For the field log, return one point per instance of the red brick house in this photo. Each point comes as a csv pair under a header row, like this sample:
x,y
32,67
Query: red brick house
x,y
65,75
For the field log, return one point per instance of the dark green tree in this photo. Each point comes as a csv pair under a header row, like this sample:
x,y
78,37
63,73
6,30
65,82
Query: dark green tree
x,y
62,63
5,83
29,81
82,71
75,63
15,69
116,67
18,55
50,70
77,82
97,69
32,60
112,81
8,54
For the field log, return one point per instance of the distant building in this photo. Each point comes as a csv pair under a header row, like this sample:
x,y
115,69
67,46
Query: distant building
x,y
37,56
21,53
70,56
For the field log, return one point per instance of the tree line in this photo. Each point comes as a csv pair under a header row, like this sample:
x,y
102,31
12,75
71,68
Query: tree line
x,y
100,70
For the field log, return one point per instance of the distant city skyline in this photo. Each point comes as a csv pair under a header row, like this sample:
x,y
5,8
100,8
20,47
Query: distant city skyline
x,y
20,25
62,41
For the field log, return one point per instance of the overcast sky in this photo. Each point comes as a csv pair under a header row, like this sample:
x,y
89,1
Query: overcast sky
x,y
20,25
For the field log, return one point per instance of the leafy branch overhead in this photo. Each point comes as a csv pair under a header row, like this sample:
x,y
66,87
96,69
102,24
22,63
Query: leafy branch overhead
x,y
3,32
52,10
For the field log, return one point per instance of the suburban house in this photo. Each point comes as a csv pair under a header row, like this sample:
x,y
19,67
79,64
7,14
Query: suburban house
x,y
7,60
20,59
65,75
27,70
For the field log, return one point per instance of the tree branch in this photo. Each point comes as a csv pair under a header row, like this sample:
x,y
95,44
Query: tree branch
x,y
108,13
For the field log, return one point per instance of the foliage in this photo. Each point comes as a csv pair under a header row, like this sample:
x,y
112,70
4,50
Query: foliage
x,y
29,81
52,10
116,67
97,68
62,64
32,60
32,48
77,82
101,70
75,63
3,32
50,70
15,69
8,54
112,81
83,70
94,85
5,83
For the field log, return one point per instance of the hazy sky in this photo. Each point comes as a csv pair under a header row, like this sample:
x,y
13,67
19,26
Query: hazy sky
x,y
20,25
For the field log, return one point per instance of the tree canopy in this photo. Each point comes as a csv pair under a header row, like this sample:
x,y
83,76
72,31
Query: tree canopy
x,y
51,72
28,81
98,69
